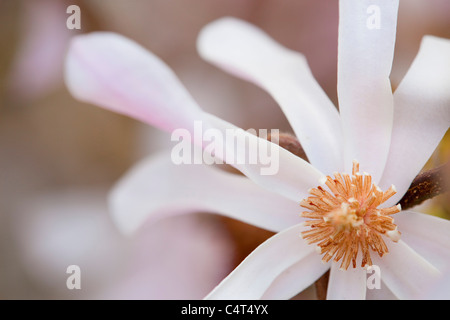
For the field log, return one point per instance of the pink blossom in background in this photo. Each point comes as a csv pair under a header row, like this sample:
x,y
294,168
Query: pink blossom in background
x,y
179,258
38,64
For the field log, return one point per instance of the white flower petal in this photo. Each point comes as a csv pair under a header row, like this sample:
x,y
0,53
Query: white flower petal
x,y
114,72
252,278
405,272
365,52
286,173
421,114
347,284
296,278
382,293
426,234
439,290
247,52
157,188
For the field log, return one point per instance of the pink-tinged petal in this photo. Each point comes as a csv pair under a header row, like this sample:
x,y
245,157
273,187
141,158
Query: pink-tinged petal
x,y
156,188
421,114
296,278
405,272
114,72
365,52
347,284
284,173
247,52
38,63
426,234
253,277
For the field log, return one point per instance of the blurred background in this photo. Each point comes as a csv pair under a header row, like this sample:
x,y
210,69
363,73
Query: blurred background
x,y
59,157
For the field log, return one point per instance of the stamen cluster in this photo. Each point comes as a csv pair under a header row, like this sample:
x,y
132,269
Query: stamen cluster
x,y
346,219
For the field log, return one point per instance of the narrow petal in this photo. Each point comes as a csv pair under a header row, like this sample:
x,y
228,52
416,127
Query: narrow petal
x,y
296,278
439,290
111,71
365,52
157,188
347,284
382,293
421,114
249,53
407,274
280,171
252,278
116,73
426,234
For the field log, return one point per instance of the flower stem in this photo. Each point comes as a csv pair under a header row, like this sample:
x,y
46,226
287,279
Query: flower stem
x,y
426,185
290,143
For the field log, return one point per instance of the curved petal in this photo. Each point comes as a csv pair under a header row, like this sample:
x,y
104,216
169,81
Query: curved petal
x,y
249,53
426,234
365,52
293,280
421,114
347,284
111,71
157,188
405,272
280,171
116,73
252,278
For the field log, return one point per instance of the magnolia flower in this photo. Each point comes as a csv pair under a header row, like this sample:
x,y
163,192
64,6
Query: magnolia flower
x,y
376,141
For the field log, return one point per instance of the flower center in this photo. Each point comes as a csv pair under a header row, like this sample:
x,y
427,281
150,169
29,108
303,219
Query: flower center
x,y
348,219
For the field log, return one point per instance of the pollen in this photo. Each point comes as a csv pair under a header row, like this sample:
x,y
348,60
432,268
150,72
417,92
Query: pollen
x,y
346,219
